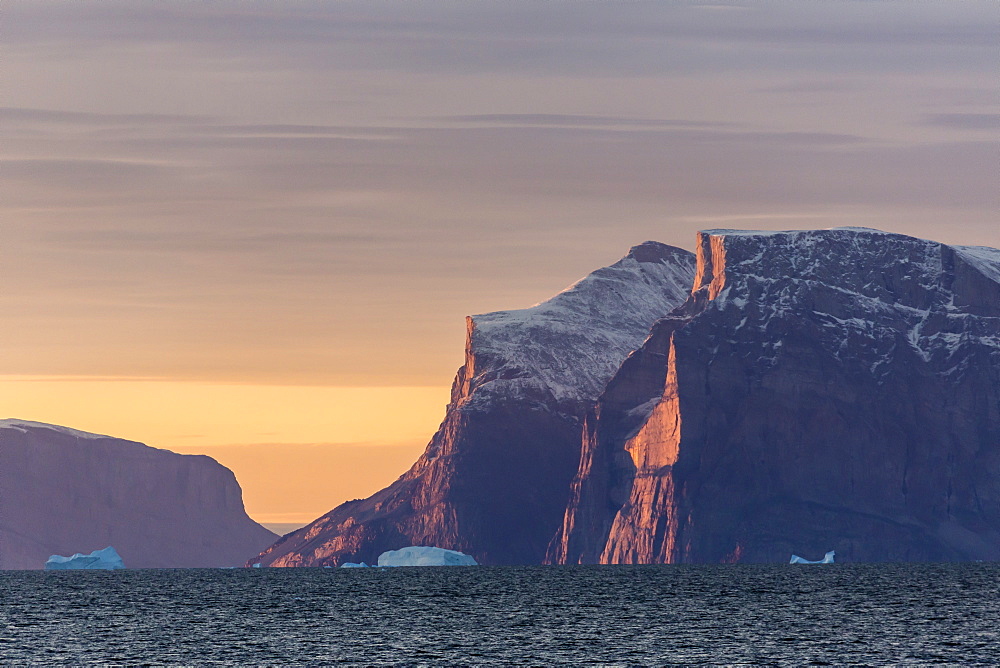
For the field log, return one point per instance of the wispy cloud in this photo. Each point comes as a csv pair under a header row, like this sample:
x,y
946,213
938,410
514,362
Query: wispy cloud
x,y
217,243
29,115
580,120
965,121
812,86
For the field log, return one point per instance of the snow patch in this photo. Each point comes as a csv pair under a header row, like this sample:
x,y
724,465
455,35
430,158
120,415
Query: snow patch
x,y
983,258
24,425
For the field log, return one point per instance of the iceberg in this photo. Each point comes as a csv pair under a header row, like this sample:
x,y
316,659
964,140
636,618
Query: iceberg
x,y
107,559
417,555
827,559
351,564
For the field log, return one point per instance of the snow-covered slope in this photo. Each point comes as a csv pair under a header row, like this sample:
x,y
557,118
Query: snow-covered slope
x,y
24,425
983,258
566,348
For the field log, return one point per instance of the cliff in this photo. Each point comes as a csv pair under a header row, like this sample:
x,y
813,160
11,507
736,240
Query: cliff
x,y
494,479
820,390
64,491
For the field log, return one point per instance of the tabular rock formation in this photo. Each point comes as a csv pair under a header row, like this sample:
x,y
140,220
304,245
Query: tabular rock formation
x,y
819,389
64,491
494,479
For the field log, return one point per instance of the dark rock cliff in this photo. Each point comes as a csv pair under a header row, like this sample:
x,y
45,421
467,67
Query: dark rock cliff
x,y
494,480
835,389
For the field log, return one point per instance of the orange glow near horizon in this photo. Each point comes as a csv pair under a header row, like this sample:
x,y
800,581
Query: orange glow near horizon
x,y
297,451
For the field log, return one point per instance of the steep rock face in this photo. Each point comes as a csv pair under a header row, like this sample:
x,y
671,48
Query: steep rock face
x,y
494,479
820,390
64,491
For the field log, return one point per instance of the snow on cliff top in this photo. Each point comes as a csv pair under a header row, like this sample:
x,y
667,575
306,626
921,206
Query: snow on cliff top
x,y
769,233
983,258
862,282
570,345
23,426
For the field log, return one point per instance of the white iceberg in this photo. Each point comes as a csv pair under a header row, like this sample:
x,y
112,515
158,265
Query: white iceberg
x,y
425,556
351,564
107,559
827,559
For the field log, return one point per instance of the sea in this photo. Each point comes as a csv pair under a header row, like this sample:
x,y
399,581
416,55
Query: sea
x,y
872,614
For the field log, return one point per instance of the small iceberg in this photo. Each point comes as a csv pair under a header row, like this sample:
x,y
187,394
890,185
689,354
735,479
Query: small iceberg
x,y
417,555
827,559
107,559
351,564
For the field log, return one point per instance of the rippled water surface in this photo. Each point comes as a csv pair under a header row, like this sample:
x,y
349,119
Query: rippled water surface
x,y
625,615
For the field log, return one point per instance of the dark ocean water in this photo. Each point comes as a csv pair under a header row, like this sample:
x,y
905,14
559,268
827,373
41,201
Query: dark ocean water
x,y
610,615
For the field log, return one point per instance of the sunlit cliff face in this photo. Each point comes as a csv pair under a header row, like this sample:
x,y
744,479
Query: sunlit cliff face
x,y
711,269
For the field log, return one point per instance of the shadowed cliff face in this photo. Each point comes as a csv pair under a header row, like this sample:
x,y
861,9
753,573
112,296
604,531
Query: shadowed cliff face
x,y
64,491
820,390
494,479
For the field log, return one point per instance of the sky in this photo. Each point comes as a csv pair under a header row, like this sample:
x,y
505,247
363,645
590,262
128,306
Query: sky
x,y
253,229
